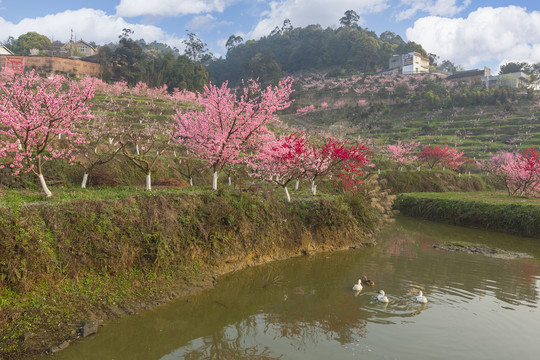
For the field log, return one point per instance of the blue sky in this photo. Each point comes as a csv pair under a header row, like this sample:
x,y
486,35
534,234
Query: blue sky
x,y
472,33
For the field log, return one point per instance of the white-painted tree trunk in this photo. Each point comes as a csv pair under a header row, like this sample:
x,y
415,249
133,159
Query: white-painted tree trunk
x,y
44,185
214,180
314,190
84,180
312,185
296,185
190,181
229,181
287,194
137,149
148,182
379,171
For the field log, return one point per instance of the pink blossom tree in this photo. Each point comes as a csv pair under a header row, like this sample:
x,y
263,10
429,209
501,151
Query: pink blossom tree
x,y
35,113
230,123
403,153
280,161
518,172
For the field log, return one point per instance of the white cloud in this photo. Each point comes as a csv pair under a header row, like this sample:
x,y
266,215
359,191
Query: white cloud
x,y
206,22
87,24
432,7
306,12
168,8
486,35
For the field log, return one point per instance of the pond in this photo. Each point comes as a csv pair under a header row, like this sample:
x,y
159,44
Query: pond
x,y
479,307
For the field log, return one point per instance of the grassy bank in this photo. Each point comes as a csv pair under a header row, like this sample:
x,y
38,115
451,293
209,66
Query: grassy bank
x,y
80,257
431,181
488,210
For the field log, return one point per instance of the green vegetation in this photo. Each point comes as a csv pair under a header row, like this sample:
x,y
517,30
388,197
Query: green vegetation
x,y
490,211
30,40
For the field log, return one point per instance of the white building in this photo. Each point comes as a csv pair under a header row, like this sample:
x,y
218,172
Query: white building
x,y
408,64
511,80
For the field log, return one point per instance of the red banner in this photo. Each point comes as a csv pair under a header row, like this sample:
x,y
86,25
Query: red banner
x,y
15,63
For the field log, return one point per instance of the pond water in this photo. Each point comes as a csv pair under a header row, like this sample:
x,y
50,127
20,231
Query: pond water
x,y
304,308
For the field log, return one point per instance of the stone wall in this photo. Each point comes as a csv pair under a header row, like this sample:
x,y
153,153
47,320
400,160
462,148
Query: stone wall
x,y
57,64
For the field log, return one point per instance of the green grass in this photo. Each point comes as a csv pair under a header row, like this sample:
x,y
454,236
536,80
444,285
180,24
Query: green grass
x,y
13,198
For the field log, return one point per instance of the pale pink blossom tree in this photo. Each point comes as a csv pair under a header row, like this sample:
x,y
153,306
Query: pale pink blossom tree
x,y
185,163
230,123
39,120
280,161
143,143
403,152
101,146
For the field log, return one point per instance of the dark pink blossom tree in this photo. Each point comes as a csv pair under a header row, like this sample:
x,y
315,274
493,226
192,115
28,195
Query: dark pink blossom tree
x,y
230,123
338,160
441,155
39,120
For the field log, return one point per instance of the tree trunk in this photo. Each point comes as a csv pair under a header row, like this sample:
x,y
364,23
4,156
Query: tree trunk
x,y
296,185
148,182
229,181
44,185
214,180
287,194
190,181
314,190
84,180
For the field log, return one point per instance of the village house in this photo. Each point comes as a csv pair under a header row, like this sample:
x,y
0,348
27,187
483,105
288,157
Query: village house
x,y
78,48
5,51
408,64
513,80
469,76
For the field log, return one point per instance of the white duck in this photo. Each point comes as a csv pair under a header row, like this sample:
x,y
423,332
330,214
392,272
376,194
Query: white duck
x,y
382,297
420,298
357,287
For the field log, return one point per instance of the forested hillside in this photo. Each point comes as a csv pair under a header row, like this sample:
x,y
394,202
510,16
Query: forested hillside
x,y
347,49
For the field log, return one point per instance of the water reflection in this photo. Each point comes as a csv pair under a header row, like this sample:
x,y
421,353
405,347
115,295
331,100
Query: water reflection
x,y
304,308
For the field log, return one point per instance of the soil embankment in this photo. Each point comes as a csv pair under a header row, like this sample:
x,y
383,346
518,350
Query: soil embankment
x,y
66,267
